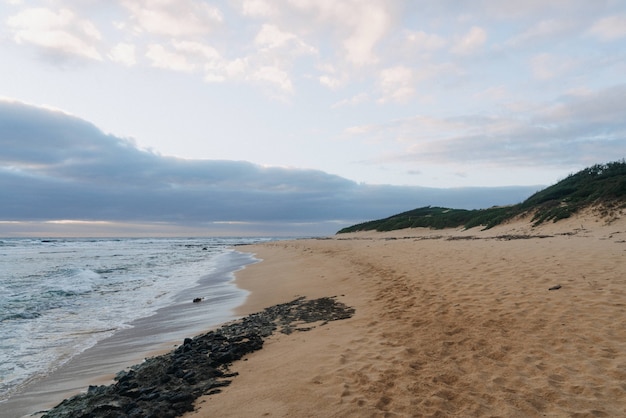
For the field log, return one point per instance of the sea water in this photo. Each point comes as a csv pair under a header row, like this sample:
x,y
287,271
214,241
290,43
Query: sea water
x,y
58,297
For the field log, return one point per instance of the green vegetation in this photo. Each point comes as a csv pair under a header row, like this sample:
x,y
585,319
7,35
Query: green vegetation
x,y
601,186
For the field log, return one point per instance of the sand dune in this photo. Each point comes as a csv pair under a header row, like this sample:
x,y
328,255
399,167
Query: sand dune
x,y
447,323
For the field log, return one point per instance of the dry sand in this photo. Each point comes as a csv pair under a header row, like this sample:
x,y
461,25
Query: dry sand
x,y
447,323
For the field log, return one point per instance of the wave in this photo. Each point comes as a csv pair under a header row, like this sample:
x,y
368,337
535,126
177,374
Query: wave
x,y
56,304
19,315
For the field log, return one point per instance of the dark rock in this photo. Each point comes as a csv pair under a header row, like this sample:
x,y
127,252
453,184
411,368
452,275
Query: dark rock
x,y
95,390
167,385
132,393
150,396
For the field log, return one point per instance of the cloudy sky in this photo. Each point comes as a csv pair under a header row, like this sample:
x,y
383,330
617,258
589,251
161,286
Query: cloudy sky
x,y
326,111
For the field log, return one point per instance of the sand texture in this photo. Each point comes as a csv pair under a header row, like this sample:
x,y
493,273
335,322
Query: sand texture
x,y
447,323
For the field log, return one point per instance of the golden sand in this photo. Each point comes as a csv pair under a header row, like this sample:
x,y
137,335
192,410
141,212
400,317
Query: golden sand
x,y
447,323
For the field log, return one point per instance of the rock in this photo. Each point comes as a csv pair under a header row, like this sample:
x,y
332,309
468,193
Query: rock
x,y
167,385
557,287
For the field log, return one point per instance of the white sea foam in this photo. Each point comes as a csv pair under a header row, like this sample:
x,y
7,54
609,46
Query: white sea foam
x,y
59,297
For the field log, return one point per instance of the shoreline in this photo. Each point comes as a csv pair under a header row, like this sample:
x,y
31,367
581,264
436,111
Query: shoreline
x,y
149,336
452,322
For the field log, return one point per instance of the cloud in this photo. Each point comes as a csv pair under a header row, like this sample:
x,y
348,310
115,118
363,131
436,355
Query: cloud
x,y
329,81
178,37
369,25
187,56
361,129
496,93
331,77
123,53
55,166
471,42
357,25
352,101
422,41
533,8
268,66
460,70
597,113
396,84
257,8
609,28
572,130
276,52
173,18
549,66
399,83
546,30
60,34
273,76
271,37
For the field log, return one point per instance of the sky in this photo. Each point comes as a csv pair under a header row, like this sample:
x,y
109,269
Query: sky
x,y
296,116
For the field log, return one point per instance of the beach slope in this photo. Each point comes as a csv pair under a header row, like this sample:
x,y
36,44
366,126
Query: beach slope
x,y
514,321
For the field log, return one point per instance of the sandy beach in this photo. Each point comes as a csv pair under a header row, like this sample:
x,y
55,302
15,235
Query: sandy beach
x,y
447,323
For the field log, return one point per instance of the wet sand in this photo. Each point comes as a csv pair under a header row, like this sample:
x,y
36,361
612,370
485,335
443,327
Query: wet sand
x,y
148,337
447,323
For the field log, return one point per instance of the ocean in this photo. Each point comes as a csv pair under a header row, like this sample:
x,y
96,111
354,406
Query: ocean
x,y
60,297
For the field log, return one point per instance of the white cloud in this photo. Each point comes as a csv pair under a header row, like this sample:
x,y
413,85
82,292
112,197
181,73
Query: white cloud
x,y
399,83
548,66
609,28
197,49
329,81
396,84
471,42
192,56
520,9
274,76
544,30
273,60
169,60
60,32
571,130
360,130
369,26
352,101
236,68
602,109
123,53
358,24
268,66
213,77
423,41
496,93
219,70
174,17
331,77
271,37
257,8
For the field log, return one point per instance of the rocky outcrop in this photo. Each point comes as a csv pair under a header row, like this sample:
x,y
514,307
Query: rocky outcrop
x,y
167,385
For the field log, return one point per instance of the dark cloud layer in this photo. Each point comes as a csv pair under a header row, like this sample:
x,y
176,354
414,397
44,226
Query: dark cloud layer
x,y
54,166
